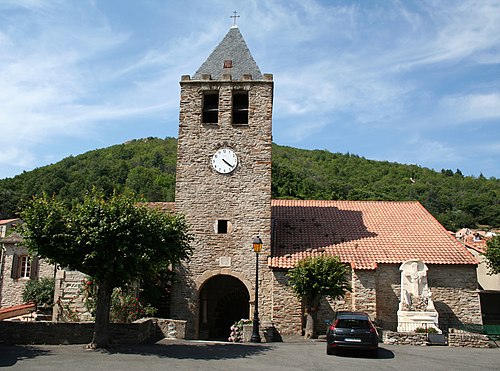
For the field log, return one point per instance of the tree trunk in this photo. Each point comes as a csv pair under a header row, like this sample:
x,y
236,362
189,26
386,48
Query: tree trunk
x,y
101,327
311,318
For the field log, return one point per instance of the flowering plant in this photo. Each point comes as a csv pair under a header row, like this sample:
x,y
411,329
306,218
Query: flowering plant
x,y
125,305
236,335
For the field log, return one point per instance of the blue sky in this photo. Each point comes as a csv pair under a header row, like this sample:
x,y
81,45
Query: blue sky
x,y
414,82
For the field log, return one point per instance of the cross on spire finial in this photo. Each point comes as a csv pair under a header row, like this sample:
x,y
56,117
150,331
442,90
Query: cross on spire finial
x,y
234,16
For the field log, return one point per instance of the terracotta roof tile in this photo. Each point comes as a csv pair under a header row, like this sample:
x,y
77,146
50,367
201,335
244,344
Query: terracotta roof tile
x,y
362,233
476,244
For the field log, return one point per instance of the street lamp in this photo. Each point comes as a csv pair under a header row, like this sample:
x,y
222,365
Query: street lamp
x,y
257,247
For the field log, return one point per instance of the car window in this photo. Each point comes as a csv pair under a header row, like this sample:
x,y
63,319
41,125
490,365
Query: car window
x,y
353,323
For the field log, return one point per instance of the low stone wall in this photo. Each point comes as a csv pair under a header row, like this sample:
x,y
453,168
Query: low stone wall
x,y
461,339
468,340
141,331
404,338
171,328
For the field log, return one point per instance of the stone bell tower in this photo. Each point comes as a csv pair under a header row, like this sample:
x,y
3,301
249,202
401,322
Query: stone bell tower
x,y
223,187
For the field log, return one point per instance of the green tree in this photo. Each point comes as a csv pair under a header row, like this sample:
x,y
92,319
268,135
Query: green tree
x,y
492,255
314,278
113,239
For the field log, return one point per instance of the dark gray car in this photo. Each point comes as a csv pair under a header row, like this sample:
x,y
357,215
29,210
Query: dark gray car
x,y
352,330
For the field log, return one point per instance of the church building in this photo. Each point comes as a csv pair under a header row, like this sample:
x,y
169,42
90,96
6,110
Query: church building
x,y
223,187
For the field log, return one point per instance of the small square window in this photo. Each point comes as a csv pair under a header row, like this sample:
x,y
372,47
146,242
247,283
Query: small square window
x,y
222,226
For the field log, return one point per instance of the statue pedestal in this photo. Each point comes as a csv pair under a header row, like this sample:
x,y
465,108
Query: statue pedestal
x,y
409,321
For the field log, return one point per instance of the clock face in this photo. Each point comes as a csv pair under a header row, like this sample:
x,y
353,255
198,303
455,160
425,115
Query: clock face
x,y
224,160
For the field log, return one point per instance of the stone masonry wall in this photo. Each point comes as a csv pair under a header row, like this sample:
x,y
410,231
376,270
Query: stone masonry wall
x,y
377,293
12,289
140,331
286,307
363,285
453,288
287,311
243,197
388,294
454,292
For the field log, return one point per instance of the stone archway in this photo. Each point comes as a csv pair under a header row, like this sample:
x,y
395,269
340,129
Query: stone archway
x,y
223,300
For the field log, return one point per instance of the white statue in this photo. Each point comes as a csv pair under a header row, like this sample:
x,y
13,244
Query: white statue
x,y
415,294
416,308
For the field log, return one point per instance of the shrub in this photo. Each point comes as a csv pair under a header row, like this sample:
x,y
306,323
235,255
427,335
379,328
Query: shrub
x,y
40,292
424,330
125,305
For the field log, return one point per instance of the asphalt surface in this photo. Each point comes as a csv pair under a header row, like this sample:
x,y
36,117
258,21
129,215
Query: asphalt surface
x,y
196,355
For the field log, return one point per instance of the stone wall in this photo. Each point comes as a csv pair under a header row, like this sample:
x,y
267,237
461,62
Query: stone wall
x,y
388,295
454,292
287,311
377,292
12,289
363,285
144,330
286,307
461,339
468,340
404,338
453,287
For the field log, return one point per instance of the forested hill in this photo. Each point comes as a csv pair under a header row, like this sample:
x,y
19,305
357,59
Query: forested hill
x,y
147,166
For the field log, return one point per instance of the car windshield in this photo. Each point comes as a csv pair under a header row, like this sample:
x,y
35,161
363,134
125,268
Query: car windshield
x,y
353,323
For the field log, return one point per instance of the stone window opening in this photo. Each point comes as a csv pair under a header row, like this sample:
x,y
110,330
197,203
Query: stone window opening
x,y
222,226
210,107
240,108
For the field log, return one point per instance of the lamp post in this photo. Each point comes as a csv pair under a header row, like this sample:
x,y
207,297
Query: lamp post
x,y
257,247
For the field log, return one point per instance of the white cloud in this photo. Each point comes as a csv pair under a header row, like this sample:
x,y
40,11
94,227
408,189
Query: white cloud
x,y
473,107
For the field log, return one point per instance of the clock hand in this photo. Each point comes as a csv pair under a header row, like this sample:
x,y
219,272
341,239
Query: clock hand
x,y
227,163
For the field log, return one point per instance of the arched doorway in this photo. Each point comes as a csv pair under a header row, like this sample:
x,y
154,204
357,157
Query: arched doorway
x,y
223,301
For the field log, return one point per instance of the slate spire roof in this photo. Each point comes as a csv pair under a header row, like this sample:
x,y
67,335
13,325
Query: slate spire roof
x,y
231,56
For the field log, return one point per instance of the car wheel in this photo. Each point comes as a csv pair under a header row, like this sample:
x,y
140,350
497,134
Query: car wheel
x,y
329,351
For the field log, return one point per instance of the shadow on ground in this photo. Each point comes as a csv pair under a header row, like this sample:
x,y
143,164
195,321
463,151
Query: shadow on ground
x,y
11,354
382,354
193,350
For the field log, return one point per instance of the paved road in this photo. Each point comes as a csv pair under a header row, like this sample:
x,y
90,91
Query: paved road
x,y
192,355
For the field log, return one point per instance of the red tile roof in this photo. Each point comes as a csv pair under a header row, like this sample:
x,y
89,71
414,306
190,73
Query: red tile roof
x,y
478,244
362,233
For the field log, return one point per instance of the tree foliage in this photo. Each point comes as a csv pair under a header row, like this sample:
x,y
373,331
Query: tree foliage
x,y
316,277
492,255
147,167
112,239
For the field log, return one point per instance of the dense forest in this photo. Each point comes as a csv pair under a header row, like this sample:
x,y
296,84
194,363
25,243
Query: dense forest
x,y
147,167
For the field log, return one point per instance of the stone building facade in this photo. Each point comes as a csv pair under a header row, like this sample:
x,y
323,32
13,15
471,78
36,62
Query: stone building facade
x,y
17,266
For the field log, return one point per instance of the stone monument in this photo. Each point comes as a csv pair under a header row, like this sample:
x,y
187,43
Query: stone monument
x,y
416,308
